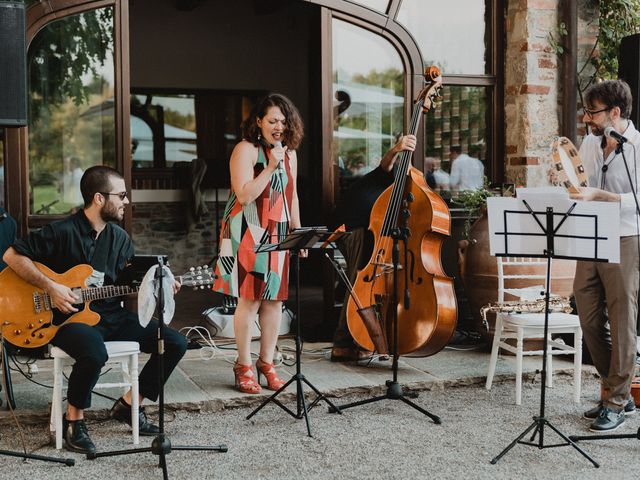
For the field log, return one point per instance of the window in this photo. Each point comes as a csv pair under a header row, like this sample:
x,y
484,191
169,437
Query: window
x,y
71,111
368,86
380,5
449,34
163,130
171,129
457,35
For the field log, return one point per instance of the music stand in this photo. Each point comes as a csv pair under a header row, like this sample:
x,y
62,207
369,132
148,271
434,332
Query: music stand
x,y
311,238
516,230
161,444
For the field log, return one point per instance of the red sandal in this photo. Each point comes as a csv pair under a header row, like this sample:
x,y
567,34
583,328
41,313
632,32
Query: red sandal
x,y
269,371
245,380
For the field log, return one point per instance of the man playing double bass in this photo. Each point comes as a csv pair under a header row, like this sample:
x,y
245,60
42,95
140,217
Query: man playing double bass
x,y
608,292
353,210
89,237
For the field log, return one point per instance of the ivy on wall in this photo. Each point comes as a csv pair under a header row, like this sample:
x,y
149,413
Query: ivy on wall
x,y
617,19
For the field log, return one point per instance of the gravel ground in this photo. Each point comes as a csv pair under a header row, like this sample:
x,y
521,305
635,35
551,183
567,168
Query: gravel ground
x,y
385,440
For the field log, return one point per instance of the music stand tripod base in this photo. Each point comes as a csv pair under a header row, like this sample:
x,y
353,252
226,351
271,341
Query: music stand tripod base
x,y
394,389
306,238
511,220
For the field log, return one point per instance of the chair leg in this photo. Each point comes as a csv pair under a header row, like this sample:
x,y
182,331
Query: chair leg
x,y
495,348
577,364
519,351
133,374
56,402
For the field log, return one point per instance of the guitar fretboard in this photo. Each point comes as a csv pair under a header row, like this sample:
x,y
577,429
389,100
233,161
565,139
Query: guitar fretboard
x,y
42,300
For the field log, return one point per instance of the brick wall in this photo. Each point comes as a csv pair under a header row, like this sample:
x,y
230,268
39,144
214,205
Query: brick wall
x,y
166,229
533,97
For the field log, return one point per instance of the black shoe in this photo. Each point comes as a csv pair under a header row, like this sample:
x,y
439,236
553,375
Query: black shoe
x,y
607,421
592,414
76,436
349,354
121,411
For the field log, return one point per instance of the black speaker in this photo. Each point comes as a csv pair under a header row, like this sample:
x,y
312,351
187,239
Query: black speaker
x,y
13,65
629,70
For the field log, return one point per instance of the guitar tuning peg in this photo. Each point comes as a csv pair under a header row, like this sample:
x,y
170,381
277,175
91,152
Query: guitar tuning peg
x,y
191,269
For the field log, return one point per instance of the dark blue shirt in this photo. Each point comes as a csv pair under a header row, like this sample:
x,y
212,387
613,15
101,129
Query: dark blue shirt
x,y
72,241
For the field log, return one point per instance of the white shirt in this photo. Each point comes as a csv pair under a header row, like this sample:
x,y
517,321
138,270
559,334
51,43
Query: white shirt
x,y
467,173
442,179
615,178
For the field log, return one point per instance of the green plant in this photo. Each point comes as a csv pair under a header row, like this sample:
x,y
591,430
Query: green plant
x,y
617,19
474,203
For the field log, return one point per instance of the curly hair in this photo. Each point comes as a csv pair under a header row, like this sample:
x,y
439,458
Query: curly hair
x,y
294,125
612,93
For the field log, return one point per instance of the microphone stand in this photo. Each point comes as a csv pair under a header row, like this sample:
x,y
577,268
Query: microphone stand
x,y
161,444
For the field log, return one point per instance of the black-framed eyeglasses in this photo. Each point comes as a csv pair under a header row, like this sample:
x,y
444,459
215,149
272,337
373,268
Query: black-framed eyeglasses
x,y
591,113
121,195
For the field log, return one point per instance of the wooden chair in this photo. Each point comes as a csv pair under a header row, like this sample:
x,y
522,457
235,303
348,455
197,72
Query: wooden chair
x,y
124,354
518,326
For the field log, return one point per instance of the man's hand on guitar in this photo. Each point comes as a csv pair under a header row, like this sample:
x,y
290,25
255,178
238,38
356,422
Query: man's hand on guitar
x,y
62,298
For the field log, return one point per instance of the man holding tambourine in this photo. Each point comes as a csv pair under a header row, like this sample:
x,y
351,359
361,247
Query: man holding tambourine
x,y
608,292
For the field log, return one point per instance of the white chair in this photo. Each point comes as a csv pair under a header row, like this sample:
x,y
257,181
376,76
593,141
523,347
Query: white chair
x,y
518,326
123,353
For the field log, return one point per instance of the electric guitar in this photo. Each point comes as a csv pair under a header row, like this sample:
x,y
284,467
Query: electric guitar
x,y
28,318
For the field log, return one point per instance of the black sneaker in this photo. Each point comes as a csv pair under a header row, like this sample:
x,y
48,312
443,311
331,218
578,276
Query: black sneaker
x,y
607,421
76,436
592,414
121,411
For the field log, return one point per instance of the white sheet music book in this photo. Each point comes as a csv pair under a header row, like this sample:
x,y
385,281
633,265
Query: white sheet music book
x,y
591,231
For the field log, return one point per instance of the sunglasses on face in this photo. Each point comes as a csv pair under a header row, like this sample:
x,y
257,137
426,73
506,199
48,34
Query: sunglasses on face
x,y
121,195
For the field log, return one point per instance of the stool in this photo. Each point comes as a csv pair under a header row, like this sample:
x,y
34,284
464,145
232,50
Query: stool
x,y
123,353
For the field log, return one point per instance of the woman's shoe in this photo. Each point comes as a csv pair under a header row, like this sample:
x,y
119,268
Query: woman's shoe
x,y
245,379
269,371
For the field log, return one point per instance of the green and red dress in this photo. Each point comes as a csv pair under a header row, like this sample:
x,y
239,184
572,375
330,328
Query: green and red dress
x,y
240,271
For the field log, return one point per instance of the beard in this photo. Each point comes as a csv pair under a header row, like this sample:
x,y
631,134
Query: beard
x,y
111,213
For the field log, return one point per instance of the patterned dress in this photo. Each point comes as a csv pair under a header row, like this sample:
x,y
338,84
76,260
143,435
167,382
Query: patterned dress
x,y
240,271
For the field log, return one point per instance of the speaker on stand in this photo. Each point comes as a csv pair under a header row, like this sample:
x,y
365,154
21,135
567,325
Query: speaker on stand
x,y
629,71
13,65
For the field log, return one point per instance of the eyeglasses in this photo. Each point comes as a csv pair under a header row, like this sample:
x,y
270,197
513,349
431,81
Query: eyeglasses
x,y
121,195
591,113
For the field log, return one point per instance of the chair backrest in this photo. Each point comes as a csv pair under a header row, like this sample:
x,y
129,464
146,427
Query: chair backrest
x,y
521,278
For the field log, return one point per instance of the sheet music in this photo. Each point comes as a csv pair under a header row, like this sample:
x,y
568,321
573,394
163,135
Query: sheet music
x,y
590,232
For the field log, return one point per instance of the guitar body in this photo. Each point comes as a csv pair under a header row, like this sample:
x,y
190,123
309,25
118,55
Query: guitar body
x,y
26,321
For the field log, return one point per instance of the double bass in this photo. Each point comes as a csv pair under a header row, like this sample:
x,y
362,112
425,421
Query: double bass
x,y
426,304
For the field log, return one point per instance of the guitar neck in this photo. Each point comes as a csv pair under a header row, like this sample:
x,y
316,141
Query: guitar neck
x,y
43,300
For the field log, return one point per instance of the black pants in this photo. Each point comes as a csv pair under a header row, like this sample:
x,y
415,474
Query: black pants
x,y
85,345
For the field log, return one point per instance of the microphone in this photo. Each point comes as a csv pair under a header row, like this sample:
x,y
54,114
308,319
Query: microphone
x,y
278,144
611,133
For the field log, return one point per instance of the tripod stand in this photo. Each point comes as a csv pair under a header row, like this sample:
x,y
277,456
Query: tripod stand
x,y
296,241
161,444
549,231
394,388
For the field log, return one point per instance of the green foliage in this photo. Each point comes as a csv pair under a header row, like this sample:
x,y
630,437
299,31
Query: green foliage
x,y
618,18
390,78
474,202
556,43
63,54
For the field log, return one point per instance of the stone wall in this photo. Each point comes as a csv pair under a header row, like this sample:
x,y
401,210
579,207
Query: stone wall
x,y
166,229
533,97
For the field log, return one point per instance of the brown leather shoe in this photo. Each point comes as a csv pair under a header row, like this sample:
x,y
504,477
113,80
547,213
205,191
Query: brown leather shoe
x,y
349,354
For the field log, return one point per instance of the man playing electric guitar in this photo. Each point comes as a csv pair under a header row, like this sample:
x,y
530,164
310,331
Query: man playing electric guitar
x,y
89,237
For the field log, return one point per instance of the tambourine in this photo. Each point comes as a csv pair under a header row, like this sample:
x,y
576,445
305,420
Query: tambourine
x,y
568,164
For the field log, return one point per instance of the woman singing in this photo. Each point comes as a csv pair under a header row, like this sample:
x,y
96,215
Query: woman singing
x,y
262,208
